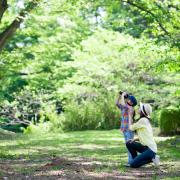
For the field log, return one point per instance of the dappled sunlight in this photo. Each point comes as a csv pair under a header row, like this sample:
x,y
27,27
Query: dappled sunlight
x,y
77,155
160,139
107,139
50,173
5,143
70,74
91,146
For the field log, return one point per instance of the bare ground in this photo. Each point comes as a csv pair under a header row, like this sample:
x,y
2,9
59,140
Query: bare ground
x,y
83,168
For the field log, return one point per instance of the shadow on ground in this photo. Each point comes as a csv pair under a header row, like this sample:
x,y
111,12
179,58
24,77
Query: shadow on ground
x,y
84,157
83,168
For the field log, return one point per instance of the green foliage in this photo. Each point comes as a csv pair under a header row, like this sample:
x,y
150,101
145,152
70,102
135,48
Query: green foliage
x,y
82,117
170,121
91,115
92,79
72,53
153,19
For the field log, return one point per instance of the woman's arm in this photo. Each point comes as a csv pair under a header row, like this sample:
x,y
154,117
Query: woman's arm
x,y
138,125
132,140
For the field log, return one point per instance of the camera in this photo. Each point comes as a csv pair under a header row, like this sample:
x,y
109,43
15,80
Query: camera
x,y
126,96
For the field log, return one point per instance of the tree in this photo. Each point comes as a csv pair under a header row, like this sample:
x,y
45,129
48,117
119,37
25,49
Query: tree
x,y
9,30
162,17
154,19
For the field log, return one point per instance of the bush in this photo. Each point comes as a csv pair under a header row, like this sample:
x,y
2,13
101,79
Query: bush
x,y
110,112
40,128
49,121
82,116
90,115
170,121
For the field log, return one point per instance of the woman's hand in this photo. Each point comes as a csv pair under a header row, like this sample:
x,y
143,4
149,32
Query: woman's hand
x,y
130,140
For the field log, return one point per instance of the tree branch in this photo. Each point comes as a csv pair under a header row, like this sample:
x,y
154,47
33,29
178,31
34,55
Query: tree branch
x,y
26,74
7,34
12,119
149,12
173,6
3,8
15,122
13,74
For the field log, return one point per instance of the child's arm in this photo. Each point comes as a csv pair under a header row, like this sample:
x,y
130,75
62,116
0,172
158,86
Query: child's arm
x,y
120,102
122,99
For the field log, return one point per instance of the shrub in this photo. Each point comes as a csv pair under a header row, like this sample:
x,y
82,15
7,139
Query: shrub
x,y
110,113
82,116
91,115
49,121
170,121
34,129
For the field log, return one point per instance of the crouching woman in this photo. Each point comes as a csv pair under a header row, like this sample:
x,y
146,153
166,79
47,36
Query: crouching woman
x,y
146,147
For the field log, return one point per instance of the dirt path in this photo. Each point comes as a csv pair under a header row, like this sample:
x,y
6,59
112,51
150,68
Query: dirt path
x,y
66,169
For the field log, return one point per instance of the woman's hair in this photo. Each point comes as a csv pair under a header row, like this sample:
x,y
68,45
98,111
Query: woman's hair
x,y
141,116
134,114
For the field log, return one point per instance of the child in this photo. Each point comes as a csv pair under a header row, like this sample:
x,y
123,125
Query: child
x,y
126,103
147,146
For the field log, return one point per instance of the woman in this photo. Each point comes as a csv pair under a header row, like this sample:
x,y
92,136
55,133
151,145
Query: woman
x,y
147,146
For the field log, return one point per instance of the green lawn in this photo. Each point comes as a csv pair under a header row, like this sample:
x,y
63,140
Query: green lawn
x,y
77,155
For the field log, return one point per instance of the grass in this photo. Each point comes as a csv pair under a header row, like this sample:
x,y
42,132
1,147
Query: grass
x,y
93,152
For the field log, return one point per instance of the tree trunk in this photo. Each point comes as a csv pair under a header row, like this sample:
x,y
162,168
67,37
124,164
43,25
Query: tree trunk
x,y
8,33
3,7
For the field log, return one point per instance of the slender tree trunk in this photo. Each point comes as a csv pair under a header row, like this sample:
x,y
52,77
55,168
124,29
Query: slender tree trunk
x,y
3,7
8,33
